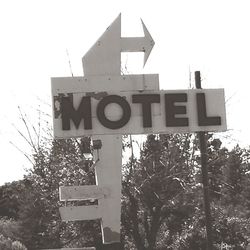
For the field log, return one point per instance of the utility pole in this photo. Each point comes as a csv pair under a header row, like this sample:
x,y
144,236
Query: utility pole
x,y
204,171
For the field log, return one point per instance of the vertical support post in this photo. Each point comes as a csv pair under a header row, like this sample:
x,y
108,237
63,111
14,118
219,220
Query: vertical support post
x,y
204,171
108,174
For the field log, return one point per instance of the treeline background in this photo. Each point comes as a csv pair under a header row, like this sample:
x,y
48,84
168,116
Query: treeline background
x,y
162,195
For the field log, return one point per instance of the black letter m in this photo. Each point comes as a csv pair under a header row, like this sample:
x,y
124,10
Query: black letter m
x,y
69,113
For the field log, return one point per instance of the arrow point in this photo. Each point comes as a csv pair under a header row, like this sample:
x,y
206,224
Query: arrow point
x,y
150,43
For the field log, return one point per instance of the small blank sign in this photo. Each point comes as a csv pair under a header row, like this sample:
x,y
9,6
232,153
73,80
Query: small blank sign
x,y
87,192
80,213
85,248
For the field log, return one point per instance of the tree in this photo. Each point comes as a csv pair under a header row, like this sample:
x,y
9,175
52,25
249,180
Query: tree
x,y
162,203
9,235
10,197
234,175
62,164
158,191
163,198
217,158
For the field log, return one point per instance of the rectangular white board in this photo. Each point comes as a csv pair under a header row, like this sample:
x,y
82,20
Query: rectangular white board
x,y
84,248
214,105
70,193
72,213
100,83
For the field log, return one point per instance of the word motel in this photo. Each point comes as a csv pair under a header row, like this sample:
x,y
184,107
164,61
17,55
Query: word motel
x,y
134,112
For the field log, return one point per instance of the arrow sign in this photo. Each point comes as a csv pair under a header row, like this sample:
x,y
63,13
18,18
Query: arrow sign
x,y
74,97
104,57
138,44
102,72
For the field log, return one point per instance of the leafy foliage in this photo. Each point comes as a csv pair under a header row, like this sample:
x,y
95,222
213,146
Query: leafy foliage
x,y
162,197
158,190
9,233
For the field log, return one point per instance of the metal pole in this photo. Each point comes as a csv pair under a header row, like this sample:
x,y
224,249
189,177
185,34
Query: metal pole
x,y
203,151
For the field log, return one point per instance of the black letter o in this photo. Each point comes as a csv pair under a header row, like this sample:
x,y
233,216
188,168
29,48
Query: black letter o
x,y
126,111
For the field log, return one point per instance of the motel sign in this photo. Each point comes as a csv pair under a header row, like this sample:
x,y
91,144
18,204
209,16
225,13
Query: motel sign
x,y
137,112
105,105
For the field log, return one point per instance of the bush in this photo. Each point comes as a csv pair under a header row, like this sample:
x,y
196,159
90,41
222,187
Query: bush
x,y
8,244
16,245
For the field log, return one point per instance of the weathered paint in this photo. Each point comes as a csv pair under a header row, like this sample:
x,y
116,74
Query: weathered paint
x,y
97,95
99,83
214,106
57,104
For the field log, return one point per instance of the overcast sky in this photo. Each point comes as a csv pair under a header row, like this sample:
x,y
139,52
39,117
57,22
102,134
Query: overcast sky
x,y
39,38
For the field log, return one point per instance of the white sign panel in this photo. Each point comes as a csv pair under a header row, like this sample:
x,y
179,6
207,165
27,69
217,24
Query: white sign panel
x,y
84,248
138,112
